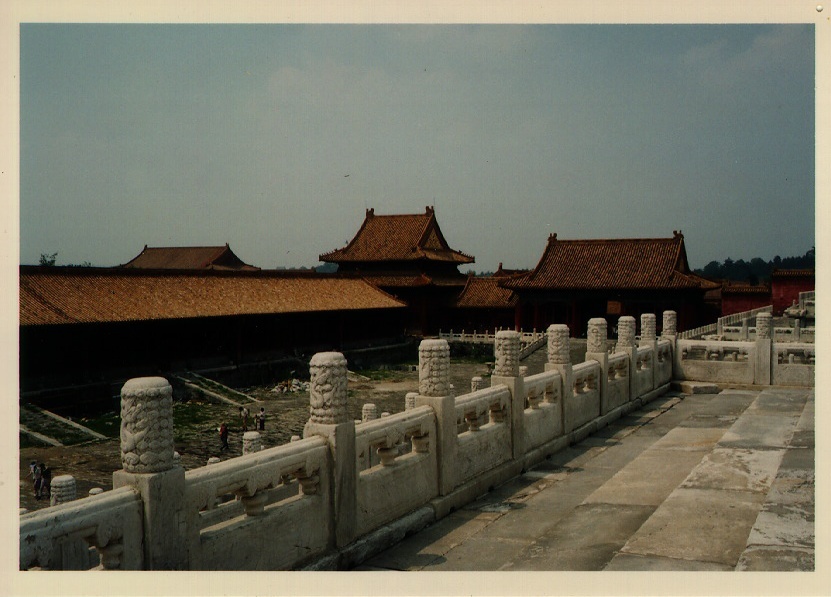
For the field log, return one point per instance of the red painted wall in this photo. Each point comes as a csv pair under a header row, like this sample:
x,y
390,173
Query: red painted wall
x,y
786,289
738,303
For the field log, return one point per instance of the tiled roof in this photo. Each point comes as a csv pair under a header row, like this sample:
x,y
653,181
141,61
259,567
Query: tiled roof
x,y
200,258
742,288
54,295
604,264
397,280
793,273
397,238
486,292
502,272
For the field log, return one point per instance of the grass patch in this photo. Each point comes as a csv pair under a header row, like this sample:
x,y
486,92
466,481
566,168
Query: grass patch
x,y
108,424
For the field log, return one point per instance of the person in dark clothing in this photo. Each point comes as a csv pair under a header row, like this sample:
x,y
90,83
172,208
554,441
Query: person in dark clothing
x,y
223,437
46,481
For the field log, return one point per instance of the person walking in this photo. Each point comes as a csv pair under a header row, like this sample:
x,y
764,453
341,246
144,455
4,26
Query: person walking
x,y
243,414
223,437
38,479
46,481
261,419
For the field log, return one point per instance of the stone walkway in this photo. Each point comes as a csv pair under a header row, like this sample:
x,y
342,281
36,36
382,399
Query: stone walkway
x,y
692,482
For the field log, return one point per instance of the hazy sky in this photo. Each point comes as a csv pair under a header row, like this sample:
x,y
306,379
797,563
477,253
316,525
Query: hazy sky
x,y
206,134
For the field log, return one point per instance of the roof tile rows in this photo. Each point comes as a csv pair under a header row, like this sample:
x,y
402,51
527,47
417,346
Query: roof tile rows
x,y
486,293
397,238
80,295
655,263
200,258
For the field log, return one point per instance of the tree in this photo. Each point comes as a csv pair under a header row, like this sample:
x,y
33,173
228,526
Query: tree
x,y
48,259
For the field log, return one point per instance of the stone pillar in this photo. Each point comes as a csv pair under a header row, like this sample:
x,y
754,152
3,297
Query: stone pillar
x,y
213,460
330,419
477,383
559,359
764,349
626,343
670,329
596,351
251,442
650,340
648,337
149,467
95,491
507,346
744,335
625,333
369,412
63,490
523,371
434,391
410,400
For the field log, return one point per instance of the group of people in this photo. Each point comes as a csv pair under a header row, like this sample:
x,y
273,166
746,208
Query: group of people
x,y
41,479
244,415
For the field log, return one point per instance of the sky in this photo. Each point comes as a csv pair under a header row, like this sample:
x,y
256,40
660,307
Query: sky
x,y
277,138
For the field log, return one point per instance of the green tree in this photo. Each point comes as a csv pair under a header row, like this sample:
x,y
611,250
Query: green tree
x,y
48,259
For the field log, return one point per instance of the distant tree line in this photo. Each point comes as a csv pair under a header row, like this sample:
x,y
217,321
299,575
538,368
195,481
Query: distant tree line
x,y
757,270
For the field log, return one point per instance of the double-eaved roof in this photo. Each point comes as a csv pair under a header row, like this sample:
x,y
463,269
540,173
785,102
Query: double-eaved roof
x,y
606,264
56,295
408,237
190,258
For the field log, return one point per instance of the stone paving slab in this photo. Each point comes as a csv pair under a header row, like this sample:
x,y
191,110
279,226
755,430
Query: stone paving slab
x,y
736,470
586,540
773,559
637,563
760,431
728,402
772,402
690,438
430,545
708,525
712,421
648,479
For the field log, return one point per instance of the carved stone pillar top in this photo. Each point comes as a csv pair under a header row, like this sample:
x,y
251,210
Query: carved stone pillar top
x,y
506,348
410,400
670,324
147,425
369,412
327,388
625,333
434,368
477,383
63,489
597,335
648,326
763,321
251,442
559,345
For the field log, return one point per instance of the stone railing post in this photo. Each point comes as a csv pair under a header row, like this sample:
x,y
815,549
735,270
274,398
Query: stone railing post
x,y
410,400
506,349
649,339
434,391
251,442
670,328
559,359
149,467
626,343
764,348
329,419
596,351
72,553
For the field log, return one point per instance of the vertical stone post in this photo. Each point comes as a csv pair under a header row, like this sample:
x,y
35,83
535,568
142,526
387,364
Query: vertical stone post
x,y
329,419
251,442
434,391
369,412
648,338
626,343
669,332
506,348
149,467
477,383
797,330
410,400
63,490
764,348
596,351
744,335
559,359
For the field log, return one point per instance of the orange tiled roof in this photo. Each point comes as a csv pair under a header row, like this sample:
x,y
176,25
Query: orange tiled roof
x,y
54,295
744,288
201,258
398,238
793,273
604,264
486,293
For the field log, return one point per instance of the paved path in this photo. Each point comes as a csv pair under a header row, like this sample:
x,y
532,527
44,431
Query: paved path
x,y
700,482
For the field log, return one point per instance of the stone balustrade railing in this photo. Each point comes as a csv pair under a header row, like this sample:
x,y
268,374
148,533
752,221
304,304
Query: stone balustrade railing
x,y
60,537
328,494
